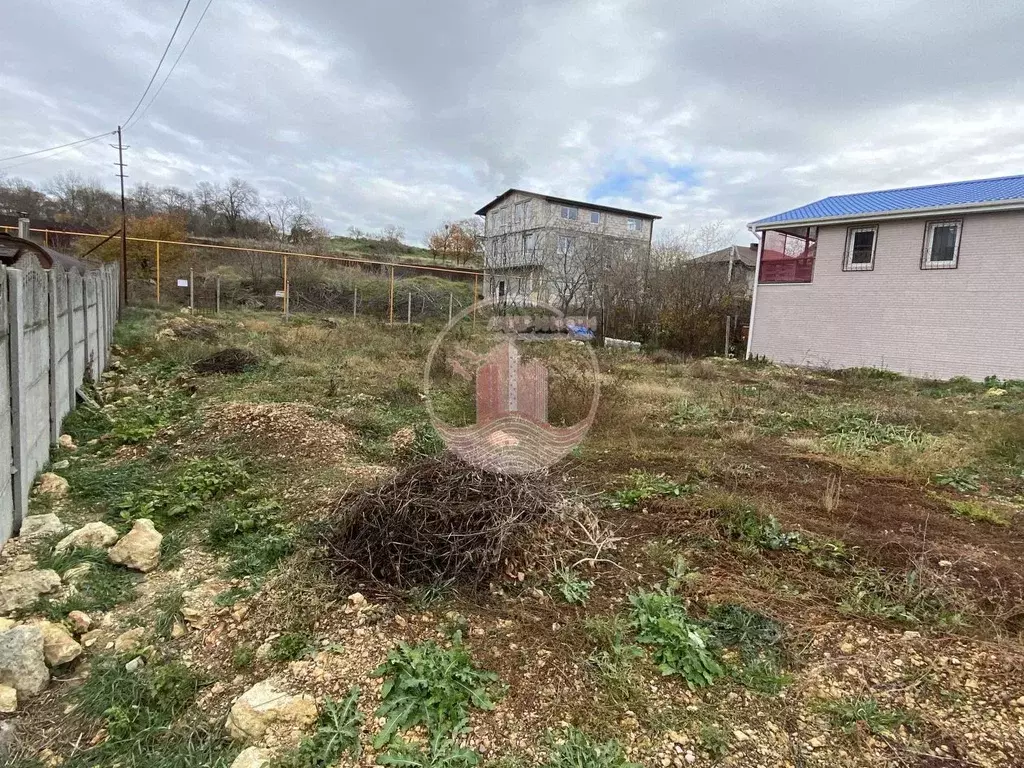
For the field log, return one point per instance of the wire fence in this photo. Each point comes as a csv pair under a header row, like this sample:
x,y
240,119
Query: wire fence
x,y
210,278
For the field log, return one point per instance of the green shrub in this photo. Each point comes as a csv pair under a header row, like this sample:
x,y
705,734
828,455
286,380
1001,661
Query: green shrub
x,y
615,662
852,714
198,485
290,646
440,752
744,523
428,685
963,479
977,512
680,645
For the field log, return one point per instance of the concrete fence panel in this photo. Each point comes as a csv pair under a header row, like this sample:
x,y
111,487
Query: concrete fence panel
x,y
55,331
6,457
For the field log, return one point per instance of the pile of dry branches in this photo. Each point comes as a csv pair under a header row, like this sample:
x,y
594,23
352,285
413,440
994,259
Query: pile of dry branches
x,y
439,522
230,360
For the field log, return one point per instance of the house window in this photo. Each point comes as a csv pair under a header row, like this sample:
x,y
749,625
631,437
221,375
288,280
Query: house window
x,y
521,212
564,244
860,249
633,225
529,243
941,244
570,213
595,217
787,256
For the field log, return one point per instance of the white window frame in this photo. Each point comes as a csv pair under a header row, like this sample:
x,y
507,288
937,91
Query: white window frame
x,y
929,243
595,217
634,224
570,213
848,263
564,245
522,212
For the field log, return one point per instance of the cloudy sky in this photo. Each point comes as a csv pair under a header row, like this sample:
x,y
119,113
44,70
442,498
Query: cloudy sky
x,y
409,112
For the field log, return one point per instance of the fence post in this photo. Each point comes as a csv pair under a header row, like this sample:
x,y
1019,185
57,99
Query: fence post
x,y
51,318
19,425
449,306
408,310
475,278
355,300
391,299
191,291
72,275
284,286
727,319
218,294
157,271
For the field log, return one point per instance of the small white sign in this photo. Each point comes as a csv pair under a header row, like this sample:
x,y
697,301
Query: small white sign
x,y
182,283
279,294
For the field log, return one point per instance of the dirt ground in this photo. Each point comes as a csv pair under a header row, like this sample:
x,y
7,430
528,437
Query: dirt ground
x,y
892,562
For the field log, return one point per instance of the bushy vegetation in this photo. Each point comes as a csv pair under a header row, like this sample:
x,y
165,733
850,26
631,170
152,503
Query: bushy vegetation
x,y
643,486
575,749
337,732
680,645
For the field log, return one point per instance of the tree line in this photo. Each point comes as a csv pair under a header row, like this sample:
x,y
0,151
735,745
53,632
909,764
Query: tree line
x,y
233,209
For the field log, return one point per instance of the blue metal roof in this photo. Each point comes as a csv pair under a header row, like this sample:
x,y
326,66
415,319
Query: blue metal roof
x,y
909,198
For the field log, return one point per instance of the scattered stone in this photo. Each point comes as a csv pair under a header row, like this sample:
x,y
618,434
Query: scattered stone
x,y
139,549
62,464
59,647
96,535
80,621
817,742
67,442
945,563
22,664
252,757
356,603
198,605
40,526
20,590
89,638
265,711
847,648
23,563
8,699
135,664
130,640
52,485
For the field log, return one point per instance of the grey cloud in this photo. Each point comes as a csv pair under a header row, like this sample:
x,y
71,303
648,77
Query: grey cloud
x,y
396,112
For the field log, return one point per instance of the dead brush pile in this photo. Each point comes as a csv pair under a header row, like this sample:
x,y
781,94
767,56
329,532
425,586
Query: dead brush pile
x,y
230,360
440,522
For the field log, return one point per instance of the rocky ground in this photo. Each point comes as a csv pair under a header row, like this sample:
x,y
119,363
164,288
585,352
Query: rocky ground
x,y
141,631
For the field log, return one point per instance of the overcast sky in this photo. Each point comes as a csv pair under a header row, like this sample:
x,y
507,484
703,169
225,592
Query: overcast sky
x,y
409,112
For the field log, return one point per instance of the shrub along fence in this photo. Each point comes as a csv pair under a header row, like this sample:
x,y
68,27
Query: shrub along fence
x,y
56,327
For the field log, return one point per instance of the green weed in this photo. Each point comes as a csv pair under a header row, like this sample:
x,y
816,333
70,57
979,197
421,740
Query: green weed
x,y
428,685
575,749
714,740
243,656
290,646
573,589
440,751
909,598
102,587
199,484
680,645
963,479
337,732
615,662
168,611
852,714
643,486
855,433
744,523
754,634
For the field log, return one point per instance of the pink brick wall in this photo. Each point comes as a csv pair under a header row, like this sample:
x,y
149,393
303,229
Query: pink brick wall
x,y
936,323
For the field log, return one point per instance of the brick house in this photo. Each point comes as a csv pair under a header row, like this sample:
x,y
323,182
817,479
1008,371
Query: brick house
x,y
551,249
926,281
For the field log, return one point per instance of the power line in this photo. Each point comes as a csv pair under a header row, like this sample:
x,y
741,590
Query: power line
x,y
160,63
171,70
59,146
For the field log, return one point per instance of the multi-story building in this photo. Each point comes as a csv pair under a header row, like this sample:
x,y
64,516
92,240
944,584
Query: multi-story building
x,y
539,248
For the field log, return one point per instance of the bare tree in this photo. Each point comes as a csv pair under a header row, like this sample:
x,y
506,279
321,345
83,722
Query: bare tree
x,y
238,200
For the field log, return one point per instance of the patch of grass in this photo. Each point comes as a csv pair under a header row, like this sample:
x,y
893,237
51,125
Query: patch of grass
x,y
643,486
198,485
104,586
290,646
47,557
856,433
571,587
912,598
763,676
680,574
754,634
854,714
575,749
680,645
440,751
138,710
428,685
86,423
93,482
615,662
243,656
168,611
976,512
963,479
337,732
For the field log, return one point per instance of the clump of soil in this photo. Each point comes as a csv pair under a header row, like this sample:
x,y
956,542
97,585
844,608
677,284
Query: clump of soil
x,y
230,360
439,522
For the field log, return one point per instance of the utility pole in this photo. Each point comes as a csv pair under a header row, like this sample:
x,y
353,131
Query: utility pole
x,y
124,222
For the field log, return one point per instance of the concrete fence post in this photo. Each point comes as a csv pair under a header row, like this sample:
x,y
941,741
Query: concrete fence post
x,y
72,337
52,315
408,310
7,478
19,420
